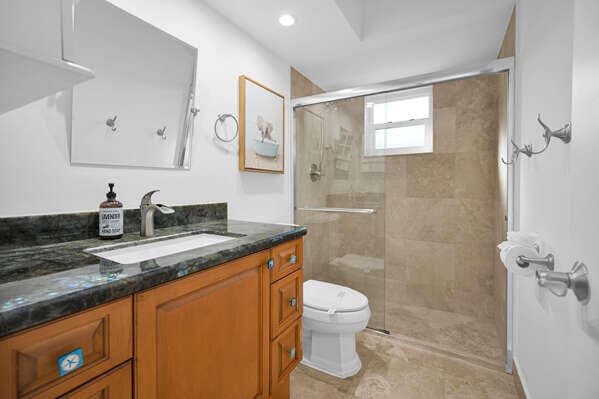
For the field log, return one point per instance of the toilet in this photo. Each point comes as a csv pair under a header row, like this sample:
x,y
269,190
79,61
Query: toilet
x,y
333,314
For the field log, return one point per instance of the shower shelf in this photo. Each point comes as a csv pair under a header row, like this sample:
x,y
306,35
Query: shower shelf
x,y
367,211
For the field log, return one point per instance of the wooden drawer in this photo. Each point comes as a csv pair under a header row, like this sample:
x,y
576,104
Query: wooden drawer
x,y
285,353
115,384
286,303
288,257
29,360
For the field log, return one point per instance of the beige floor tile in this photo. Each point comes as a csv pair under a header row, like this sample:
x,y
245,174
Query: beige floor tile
x,y
466,335
393,369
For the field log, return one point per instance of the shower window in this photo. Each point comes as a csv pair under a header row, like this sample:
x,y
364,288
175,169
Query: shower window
x,y
399,123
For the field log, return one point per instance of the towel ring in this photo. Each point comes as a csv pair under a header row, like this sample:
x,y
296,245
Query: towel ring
x,y
221,118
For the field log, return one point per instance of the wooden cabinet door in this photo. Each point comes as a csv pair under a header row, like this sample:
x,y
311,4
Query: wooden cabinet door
x,y
115,384
206,335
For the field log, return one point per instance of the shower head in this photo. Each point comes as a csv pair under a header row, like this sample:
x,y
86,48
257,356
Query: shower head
x,y
331,106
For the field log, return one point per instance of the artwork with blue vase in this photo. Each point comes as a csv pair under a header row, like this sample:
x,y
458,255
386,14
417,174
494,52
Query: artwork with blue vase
x,y
262,127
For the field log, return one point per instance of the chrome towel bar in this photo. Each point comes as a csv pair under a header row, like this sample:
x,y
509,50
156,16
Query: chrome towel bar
x,y
366,211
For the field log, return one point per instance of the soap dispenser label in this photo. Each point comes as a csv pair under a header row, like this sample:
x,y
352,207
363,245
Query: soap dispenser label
x,y
111,221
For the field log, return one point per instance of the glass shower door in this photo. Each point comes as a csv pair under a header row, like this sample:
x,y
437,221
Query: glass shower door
x,y
339,196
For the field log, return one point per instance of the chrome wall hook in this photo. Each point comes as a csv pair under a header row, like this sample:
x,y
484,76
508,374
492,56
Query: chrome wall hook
x,y
559,283
564,134
162,132
111,123
516,151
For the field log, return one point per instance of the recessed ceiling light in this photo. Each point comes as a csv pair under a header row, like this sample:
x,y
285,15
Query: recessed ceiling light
x,y
286,20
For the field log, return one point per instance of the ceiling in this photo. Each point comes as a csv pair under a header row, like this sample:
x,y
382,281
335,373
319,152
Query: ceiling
x,y
345,43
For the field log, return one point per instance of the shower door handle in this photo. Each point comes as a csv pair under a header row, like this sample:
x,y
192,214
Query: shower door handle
x,y
366,211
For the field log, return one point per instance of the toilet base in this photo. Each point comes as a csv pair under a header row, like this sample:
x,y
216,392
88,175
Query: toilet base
x,y
331,353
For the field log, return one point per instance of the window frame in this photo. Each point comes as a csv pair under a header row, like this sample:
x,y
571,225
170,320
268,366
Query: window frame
x,y
370,127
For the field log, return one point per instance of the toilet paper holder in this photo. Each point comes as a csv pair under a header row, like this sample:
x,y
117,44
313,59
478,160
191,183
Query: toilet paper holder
x,y
559,283
547,261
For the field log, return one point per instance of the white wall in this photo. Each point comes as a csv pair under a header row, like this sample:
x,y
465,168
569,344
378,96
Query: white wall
x,y
557,339
36,176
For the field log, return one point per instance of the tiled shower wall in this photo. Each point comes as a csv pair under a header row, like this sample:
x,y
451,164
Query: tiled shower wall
x,y
346,249
436,223
441,208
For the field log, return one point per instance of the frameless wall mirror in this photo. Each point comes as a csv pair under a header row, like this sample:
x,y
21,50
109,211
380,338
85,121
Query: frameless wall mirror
x,y
137,111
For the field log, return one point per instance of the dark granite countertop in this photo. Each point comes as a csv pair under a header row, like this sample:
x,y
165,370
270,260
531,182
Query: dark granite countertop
x,y
45,282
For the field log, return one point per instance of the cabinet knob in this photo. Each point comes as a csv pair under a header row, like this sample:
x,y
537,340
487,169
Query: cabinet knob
x,y
291,353
271,263
293,302
70,361
292,259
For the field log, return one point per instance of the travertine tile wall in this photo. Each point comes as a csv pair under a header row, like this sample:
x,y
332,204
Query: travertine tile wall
x,y
308,193
348,181
435,228
358,240
441,208
301,86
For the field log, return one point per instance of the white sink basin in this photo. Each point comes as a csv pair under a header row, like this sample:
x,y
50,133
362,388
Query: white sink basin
x,y
139,253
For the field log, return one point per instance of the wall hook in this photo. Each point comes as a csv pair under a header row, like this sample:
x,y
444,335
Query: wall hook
x,y
162,133
516,151
111,123
564,134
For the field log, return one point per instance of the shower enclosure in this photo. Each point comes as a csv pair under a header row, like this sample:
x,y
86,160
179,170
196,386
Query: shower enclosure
x,y
405,198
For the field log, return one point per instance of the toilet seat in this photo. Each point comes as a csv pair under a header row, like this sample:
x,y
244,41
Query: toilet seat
x,y
332,298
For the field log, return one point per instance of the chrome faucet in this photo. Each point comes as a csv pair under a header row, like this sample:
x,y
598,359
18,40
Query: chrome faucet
x,y
147,209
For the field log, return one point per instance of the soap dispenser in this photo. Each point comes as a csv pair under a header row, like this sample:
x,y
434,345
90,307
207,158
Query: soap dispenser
x,y
111,216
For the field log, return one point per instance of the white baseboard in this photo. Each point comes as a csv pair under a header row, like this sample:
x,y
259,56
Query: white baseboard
x,y
522,377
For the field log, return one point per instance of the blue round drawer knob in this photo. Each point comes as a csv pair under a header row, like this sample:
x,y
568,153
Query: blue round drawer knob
x,y
293,259
292,353
70,362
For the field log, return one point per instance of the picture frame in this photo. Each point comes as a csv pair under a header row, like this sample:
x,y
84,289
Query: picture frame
x,y
261,128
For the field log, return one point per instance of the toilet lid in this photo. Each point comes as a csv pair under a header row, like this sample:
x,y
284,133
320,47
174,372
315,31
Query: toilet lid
x,y
332,297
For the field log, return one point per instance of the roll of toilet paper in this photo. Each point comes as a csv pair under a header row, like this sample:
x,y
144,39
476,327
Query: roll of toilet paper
x,y
510,253
527,239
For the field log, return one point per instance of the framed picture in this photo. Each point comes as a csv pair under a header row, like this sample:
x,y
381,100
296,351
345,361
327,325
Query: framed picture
x,y
261,128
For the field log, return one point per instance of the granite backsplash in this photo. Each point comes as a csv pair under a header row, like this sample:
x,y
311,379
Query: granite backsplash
x,y
50,229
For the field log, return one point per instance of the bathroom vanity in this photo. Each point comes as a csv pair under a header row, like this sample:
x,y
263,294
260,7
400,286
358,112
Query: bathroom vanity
x,y
216,321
